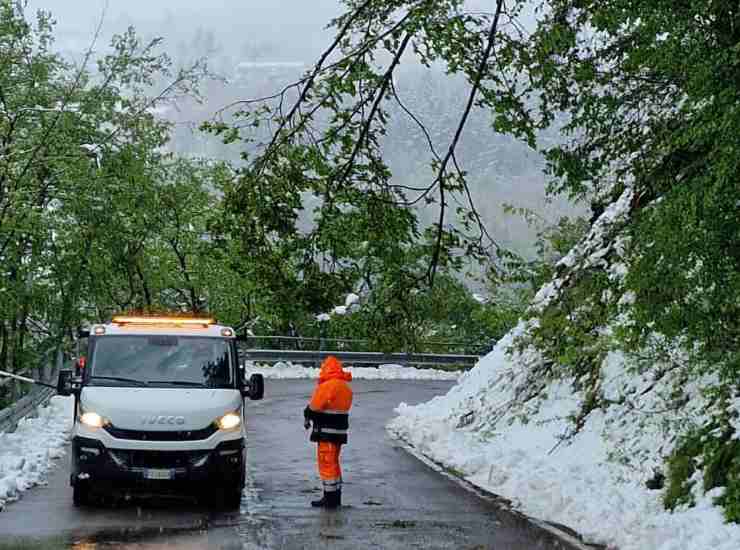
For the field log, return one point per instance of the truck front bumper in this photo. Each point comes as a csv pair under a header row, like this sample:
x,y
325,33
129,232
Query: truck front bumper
x,y
162,471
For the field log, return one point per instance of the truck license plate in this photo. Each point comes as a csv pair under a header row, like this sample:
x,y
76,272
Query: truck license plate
x,y
158,474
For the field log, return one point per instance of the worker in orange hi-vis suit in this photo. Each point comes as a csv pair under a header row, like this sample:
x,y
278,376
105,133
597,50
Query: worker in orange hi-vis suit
x,y
329,413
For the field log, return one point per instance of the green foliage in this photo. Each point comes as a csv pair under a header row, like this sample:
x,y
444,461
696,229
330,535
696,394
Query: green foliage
x,y
688,287
96,217
531,270
713,450
497,316
401,313
650,96
80,174
568,331
569,335
653,105
316,190
681,467
513,282
394,317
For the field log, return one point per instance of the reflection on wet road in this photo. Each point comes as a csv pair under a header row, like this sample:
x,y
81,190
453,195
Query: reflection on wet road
x,y
392,499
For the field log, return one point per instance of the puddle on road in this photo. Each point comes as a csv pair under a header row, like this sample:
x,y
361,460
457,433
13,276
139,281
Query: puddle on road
x,y
149,538
239,532
247,529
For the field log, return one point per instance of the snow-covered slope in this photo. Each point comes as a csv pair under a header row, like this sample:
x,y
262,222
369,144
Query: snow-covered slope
x,y
29,452
593,480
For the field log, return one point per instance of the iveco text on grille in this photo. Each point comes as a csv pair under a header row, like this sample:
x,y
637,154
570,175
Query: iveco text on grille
x,y
163,420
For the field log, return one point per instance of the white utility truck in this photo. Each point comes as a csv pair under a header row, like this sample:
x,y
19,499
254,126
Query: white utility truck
x,y
159,408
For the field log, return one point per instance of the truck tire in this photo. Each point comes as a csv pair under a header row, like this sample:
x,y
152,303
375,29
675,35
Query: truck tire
x,y
232,499
226,498
80,494
257,387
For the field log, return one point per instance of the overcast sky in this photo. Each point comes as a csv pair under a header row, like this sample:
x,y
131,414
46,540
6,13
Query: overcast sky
x,y
295,29
229,13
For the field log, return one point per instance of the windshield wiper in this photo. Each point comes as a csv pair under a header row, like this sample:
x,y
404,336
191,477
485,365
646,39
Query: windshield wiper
x,y
119,379
178,383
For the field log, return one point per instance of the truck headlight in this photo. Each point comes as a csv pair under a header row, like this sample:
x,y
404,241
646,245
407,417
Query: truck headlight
x,y
229,421
93,420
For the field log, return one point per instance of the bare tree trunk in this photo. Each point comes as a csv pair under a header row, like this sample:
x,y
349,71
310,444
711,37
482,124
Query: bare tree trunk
x,y
145,287
194,301
3,344
10,355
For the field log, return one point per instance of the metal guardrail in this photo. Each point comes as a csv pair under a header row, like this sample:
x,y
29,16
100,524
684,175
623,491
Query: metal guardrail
x,y
46,371
352,357
6,381
25,406
349,344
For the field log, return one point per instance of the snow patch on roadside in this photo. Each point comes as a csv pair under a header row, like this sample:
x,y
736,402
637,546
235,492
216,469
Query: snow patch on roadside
x,y
27,454
573,483
383,372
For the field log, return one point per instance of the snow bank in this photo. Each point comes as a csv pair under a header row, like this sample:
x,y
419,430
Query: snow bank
x,y
383,372
593,482
29,452
574,483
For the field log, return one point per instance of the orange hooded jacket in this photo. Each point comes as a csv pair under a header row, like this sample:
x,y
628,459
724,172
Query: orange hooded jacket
x,y
330,403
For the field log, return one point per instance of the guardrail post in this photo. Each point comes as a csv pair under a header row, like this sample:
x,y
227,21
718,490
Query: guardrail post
x,y
38,370
47,364
15,390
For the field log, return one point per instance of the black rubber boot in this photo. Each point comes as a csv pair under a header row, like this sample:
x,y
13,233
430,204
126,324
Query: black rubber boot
x,y
322,502
333,499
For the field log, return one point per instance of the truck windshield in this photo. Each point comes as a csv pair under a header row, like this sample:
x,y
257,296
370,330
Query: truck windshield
x,y
161,361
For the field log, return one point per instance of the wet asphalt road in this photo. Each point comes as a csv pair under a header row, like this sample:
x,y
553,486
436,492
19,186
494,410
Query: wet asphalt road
x,y
391,499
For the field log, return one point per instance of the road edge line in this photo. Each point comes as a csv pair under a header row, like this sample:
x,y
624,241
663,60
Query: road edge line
x,y
560,532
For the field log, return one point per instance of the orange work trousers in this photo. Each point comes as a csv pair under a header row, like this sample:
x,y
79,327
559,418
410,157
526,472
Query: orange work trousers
x,y
329,469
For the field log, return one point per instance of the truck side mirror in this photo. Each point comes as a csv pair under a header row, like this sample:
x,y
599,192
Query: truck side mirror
x,y
254,387
64,383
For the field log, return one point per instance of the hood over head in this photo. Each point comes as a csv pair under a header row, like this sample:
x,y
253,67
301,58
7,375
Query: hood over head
x,y
331,369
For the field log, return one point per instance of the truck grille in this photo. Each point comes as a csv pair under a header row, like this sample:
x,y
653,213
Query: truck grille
x,y
159,459
183,435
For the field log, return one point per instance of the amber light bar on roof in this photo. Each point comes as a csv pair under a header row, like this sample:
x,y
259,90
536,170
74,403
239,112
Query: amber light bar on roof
x,y
177,321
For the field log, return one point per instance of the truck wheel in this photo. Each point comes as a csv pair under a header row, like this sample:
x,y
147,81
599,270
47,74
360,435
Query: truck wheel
x,y
256,387
227,498
232,499
81,494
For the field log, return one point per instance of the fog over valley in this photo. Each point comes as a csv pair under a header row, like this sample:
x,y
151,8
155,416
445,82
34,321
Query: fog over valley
x,y
257,47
